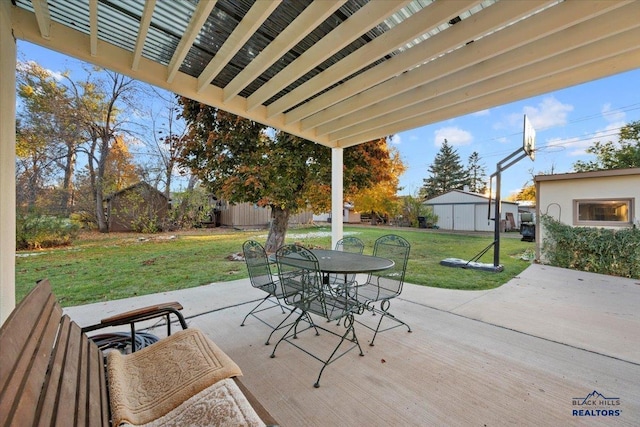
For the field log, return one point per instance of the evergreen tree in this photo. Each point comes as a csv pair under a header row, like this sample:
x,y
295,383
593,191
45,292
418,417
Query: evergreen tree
x,y
477,174
446,173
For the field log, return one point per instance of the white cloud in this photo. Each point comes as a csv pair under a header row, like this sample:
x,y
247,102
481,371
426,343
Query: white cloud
x,y
613,116
577,146
56,75
454,136
548,113
395,139
482,113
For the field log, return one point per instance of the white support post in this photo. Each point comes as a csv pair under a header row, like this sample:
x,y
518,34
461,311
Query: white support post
x,y
8,58
337,195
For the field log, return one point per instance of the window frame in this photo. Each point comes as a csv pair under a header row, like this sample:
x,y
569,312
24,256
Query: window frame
x,y
630,202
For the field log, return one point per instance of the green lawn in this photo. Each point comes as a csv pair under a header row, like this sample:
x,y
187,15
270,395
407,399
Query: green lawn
x,y
106,267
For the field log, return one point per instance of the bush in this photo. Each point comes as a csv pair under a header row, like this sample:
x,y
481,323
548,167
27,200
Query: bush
x,y
413,208
34,231
597,250
191,208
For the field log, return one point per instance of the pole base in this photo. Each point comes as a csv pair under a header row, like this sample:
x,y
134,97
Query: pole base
x,y
461,263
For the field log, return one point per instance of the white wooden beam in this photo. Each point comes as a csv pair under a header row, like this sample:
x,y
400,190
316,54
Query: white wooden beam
x,y
467,30
93,27
459,63
74,43
8,62
145,22
416,25
200,15
357,24
312,16
595,67
41,9
258,13
337,195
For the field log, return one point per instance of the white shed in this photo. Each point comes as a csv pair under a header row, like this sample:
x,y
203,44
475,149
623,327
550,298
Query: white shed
x,y
465,211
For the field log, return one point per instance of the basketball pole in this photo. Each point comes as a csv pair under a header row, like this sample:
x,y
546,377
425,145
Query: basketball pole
x,y
527,150
496,217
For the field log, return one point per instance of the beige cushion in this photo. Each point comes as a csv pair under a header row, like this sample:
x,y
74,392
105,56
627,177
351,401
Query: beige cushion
x,y
148,384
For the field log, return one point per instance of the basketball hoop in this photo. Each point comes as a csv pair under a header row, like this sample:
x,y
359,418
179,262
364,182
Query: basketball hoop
x,y
529,139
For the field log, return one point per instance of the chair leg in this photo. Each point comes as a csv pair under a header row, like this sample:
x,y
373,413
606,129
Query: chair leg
x,y
349,325
255,308
293,326
384,310
279,326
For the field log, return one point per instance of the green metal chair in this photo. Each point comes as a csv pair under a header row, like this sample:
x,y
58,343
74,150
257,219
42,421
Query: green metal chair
x,y
261,278
259,268
383,286
346,244
298,268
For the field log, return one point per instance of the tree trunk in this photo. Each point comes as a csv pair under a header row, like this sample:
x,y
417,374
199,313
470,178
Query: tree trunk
x,y
67,186
103,225
278,229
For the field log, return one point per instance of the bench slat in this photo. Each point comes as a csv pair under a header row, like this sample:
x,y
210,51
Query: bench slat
x,y
49,400
82,387
89,396
98,411
68,391
52,374
26,361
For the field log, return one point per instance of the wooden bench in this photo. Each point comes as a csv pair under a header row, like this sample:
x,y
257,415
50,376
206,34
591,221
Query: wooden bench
x,y
51,373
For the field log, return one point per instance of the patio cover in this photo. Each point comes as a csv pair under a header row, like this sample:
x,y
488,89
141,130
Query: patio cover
x,y
335,72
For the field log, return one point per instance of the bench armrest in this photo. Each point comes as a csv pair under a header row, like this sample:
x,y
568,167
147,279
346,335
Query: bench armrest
x,y
139,315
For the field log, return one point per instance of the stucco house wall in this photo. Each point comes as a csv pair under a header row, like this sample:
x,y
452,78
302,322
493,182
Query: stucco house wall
x,y
559,195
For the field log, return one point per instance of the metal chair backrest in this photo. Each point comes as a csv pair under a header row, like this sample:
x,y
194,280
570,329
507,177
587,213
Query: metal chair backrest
x,y
346,244
350,244
258,266
397,249
299,274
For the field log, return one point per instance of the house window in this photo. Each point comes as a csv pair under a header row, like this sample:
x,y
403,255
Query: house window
x,y
603,212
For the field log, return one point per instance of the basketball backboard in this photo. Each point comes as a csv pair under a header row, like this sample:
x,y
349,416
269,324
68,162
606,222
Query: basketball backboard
x,y
529,139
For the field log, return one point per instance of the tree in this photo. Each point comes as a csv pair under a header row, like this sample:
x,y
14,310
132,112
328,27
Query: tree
x,y
615,155
47,135
528,192
381,198
164,143
477,174
120,171
446,173
243,161
98,103
412,208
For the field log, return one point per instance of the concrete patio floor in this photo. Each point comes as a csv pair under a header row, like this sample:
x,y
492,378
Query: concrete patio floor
x,y
521,354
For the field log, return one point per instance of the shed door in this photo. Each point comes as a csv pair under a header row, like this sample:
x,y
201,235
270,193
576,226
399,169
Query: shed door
x,y
445,218
483,223
463,218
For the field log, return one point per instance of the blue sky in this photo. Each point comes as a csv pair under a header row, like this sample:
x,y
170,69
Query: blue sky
x,y
566,122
